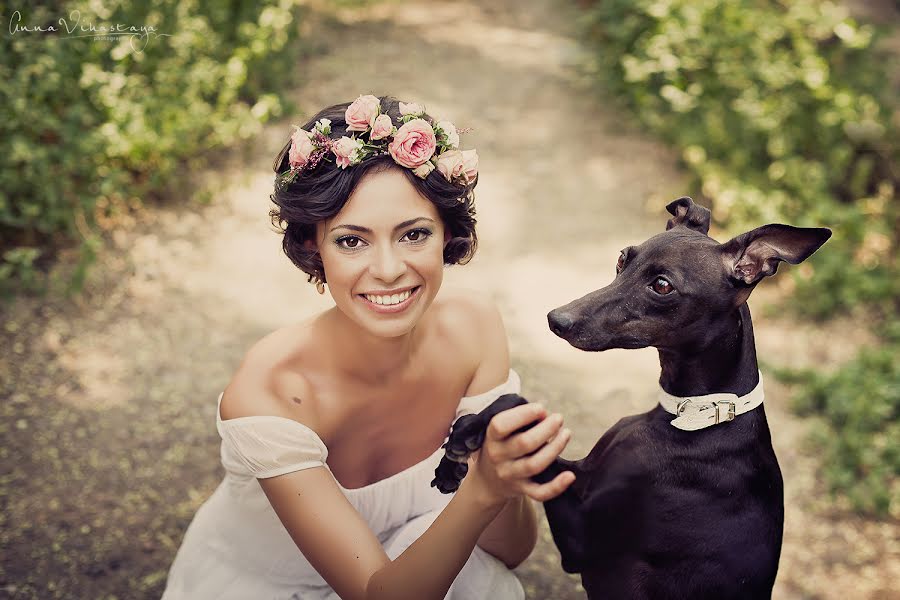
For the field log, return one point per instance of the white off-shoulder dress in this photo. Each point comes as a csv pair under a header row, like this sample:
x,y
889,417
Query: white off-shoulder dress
x,y
237,549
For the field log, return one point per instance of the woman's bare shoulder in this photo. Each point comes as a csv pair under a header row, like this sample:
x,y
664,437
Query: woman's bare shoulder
x,y
472,324
267,381
467,311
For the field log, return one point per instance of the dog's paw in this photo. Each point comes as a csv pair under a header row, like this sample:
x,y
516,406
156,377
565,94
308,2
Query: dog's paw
x,y
449,475
466,436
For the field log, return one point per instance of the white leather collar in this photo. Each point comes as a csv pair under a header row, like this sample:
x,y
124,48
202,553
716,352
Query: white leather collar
x,y
698,412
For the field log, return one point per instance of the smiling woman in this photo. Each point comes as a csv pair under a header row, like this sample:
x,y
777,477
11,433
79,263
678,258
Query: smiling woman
x,y
340,419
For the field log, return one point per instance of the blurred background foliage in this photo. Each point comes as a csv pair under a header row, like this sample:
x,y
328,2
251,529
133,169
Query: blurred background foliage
x,y
784,112
90,131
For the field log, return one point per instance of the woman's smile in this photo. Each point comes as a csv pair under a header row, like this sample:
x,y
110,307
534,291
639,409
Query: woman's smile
x,y
390,301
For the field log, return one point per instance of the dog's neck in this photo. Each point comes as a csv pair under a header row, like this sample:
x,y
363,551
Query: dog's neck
x,y
725,365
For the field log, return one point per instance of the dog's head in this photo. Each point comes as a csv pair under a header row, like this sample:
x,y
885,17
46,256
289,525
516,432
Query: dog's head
x,y
671,289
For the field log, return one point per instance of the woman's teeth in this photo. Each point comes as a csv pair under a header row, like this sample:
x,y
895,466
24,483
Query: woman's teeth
x,y
389,300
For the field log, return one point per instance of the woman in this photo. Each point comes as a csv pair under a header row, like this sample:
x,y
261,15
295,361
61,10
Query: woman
x,y
331,429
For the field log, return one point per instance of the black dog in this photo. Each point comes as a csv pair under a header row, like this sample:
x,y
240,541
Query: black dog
x,y
685,501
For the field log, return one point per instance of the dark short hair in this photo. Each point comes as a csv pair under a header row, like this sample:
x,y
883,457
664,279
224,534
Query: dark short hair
x,y
321,193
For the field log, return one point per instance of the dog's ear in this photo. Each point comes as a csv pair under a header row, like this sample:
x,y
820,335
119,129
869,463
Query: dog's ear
x,y
753,255
686,213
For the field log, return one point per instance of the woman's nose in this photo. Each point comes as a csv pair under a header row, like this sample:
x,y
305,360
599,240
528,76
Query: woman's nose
x,y
388,265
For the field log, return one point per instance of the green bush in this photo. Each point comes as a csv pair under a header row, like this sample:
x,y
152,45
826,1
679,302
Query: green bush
x,y
780,111
93,127
858,427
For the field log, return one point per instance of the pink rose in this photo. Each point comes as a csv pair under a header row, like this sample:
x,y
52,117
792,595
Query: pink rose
x,y
381,128
470,165
450,164
423,170
361,114
301,148
346,151
413,144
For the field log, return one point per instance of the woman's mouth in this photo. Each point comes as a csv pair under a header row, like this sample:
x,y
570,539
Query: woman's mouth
x,y
390,303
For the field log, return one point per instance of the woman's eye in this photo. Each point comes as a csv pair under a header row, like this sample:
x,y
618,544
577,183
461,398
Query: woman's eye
x,y
662,286
349,242
620,264
417,235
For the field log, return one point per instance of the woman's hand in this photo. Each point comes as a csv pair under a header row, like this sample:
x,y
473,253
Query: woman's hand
x,y
503,468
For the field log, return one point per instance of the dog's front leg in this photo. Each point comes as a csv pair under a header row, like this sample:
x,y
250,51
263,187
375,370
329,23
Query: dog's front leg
x,y
566,516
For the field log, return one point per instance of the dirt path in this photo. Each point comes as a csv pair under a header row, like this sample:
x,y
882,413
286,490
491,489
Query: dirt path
x,y
108,446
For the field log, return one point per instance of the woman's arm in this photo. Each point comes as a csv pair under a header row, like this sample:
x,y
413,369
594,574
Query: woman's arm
x,y
338,543
506,463
512,535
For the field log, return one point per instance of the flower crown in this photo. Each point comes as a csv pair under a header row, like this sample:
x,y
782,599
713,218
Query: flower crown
x,y
416,145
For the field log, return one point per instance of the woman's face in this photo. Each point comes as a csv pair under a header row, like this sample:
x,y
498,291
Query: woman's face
x,y
383,254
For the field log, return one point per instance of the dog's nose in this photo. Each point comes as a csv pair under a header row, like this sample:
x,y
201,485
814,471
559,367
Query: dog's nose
x,y
560,322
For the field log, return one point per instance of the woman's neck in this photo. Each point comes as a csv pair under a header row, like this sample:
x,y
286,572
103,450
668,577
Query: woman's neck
x,y
367,357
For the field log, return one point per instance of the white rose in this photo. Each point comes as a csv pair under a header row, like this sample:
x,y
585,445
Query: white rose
x,y
449,130
411,109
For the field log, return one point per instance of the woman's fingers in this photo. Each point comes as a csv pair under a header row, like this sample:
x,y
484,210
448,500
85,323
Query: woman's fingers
x,y
531,465
517,455
503,424
553,488
504,444
532,439
527,442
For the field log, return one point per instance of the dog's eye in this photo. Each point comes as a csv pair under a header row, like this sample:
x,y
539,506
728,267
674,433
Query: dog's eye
x,y
620,264
662,286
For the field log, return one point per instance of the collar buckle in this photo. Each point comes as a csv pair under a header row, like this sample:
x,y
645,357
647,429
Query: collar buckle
x,y
729,415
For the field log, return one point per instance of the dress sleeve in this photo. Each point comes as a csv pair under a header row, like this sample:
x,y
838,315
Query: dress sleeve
x,y
475,404
270,446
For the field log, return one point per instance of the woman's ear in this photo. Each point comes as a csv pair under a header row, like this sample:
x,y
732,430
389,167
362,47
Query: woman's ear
x,y
311,245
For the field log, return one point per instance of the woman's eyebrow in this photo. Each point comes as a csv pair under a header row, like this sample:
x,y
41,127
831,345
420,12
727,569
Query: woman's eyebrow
x,y
402,225
406,224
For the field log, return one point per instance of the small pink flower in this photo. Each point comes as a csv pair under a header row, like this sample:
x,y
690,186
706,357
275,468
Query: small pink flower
x,y
301,148
423,170
381,128
450,164
413,144
361,114
411,109
470,165
346,151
